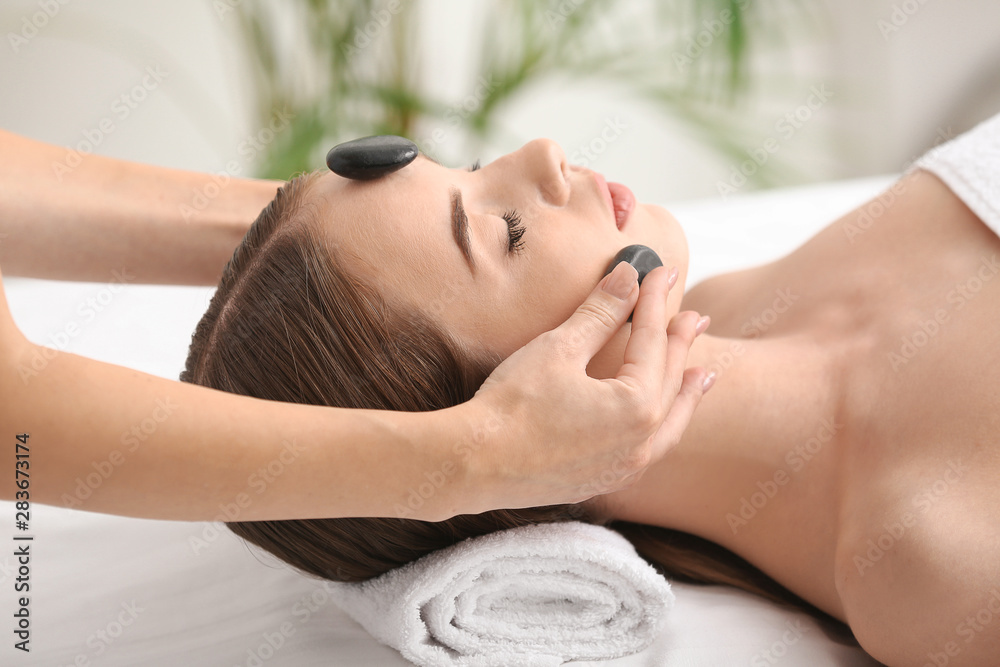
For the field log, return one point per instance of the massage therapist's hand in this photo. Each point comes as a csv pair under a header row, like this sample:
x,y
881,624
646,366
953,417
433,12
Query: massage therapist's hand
x,y
555,435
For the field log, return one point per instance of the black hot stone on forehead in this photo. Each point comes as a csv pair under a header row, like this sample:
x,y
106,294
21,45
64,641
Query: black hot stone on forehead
x,y
371,157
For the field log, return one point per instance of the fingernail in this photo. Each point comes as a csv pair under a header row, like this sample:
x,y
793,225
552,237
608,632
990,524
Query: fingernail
x,y
707,383
702,325
622,280
672,277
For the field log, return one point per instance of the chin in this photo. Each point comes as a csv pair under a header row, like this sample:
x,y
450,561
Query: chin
x,y
659,230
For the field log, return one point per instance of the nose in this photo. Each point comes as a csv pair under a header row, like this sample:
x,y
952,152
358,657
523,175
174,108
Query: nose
x,y
547,166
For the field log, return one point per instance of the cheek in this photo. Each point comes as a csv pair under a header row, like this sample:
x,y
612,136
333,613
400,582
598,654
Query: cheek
x,y
537,305
558,279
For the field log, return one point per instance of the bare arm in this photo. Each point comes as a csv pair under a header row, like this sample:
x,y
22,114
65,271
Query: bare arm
x,y
68,220
109,439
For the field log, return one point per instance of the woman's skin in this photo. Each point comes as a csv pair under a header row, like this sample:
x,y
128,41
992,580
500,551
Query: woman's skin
x,y
859,472
397,233
164,449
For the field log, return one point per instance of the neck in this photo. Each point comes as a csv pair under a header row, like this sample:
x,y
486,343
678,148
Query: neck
x,y
770,395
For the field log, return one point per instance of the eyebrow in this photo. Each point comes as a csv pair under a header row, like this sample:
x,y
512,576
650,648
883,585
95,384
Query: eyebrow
x,y
460,227
459,221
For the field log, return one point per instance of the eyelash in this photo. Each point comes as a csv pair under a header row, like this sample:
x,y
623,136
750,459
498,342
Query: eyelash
x,y
515,228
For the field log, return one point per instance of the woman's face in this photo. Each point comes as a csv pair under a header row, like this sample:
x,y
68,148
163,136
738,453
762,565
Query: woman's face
x,y
403,234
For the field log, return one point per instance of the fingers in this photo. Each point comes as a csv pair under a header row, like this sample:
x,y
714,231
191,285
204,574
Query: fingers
x,y
646,351
681,333
693,387
602,314
658,352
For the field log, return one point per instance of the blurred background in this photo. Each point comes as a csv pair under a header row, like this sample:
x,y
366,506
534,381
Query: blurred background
x,y
678,99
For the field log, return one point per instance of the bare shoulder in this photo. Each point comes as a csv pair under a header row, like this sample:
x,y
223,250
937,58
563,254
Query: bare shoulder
x,y
919,574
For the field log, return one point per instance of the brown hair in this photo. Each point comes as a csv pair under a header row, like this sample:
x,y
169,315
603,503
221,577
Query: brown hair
x,y
288,323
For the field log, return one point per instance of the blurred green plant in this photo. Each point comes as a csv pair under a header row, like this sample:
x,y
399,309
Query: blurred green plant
x,y
349,68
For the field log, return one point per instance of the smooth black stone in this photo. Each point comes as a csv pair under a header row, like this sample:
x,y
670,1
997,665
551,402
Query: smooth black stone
x,y
642,257
371,157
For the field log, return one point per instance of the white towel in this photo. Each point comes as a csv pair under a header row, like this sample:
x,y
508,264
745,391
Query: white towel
x,y
970,166
536,595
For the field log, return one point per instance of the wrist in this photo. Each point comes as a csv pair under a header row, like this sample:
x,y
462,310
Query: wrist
x,y
479,446
227,218
242,202
456,474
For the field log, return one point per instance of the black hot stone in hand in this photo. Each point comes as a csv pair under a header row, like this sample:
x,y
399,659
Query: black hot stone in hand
x,y
371,157
643,258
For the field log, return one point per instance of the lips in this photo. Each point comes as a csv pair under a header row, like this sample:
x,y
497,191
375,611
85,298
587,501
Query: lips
x,y
624,202
620,199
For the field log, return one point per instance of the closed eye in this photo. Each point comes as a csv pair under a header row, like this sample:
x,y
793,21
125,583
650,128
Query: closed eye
x,y
515,231
515,228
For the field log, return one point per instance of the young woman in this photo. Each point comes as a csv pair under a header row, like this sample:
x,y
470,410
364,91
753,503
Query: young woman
x,y
69,216
849,453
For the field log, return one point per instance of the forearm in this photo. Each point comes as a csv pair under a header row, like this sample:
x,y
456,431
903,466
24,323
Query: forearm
x,y
64,220
108,439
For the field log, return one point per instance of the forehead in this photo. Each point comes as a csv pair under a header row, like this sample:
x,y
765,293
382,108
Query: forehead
x,y
395,230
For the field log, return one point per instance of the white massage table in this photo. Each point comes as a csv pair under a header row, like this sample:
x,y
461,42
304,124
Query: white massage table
x,y
109,591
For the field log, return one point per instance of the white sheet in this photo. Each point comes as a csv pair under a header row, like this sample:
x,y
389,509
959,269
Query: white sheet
x,y
173,593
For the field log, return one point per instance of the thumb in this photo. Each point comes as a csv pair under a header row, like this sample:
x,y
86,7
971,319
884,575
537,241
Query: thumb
x,y
603,313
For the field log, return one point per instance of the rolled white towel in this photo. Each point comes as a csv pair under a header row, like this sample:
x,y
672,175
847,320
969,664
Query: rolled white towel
x,y
535,595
